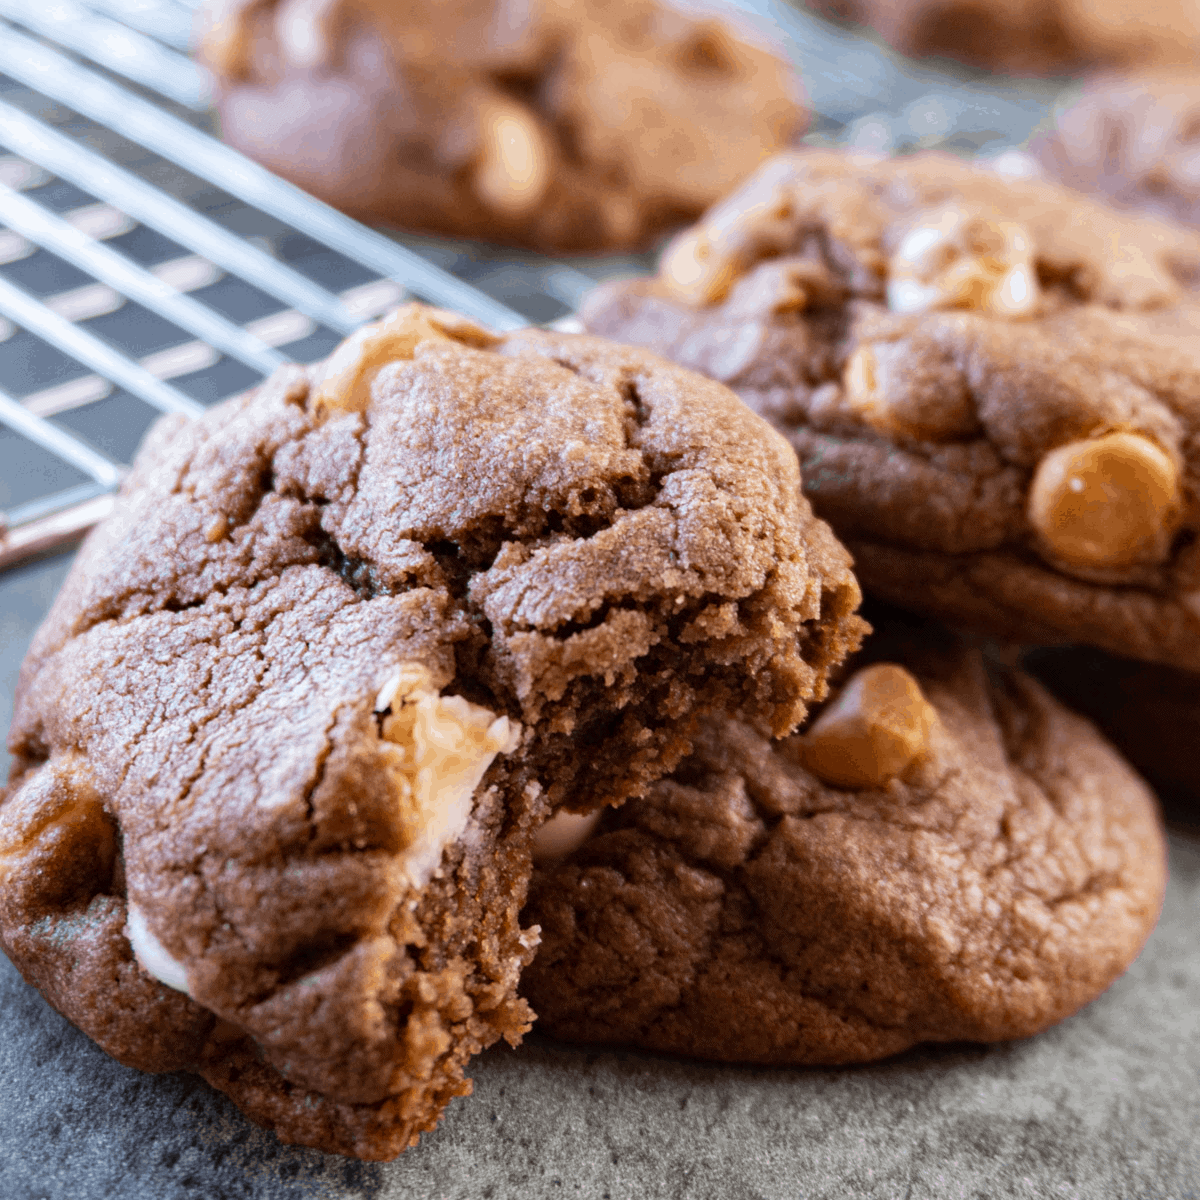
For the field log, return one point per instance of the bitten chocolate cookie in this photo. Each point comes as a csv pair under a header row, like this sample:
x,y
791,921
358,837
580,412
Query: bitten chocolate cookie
x,y
284,737
1134,139
554,124
1030,37
1151,713
945,854
992,384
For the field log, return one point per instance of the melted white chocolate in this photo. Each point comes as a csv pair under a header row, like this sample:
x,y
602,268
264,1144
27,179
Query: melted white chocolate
x,y
151,954
440,748
952,259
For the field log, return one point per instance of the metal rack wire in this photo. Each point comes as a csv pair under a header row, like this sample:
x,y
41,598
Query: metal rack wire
x,y
147,268
143,41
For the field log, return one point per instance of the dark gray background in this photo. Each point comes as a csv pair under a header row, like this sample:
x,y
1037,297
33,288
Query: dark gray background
x,y
1105,1105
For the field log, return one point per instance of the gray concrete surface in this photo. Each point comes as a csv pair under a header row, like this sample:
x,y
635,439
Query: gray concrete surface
x,y
1107,1105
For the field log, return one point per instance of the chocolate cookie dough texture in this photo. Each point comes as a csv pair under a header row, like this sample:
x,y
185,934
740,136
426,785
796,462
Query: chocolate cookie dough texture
x,y
1030,37
281,744
1133,139
555,124
992,384
945,854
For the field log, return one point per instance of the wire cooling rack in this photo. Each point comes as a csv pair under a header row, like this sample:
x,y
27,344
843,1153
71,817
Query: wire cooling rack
x,y
146,268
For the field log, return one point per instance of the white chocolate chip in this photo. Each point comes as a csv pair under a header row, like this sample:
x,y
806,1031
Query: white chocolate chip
x,y
514,165
151,954
694,271
702,264
563,834
300,26
439,749
953,259
859,378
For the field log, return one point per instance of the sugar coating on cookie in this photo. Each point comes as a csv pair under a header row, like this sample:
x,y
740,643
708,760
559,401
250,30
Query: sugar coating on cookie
x,y
558,124
1133,138
1030,37
991,382
283,742
766,904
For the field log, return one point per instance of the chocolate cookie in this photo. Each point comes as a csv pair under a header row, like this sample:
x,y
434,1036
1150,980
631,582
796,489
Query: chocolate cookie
x,y
1151,713
992,384
1030,37
554,124
945,854
1134,139
284,737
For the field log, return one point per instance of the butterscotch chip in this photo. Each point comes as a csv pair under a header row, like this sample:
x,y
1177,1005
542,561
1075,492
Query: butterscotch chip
x,y
1030,37
991,382
878,726
1108,501
558,124
878,385
746,910
343,381
274,791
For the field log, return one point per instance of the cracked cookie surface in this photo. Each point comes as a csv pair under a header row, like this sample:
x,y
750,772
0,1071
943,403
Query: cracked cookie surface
x,y
985,883
991,383
557,124
281,744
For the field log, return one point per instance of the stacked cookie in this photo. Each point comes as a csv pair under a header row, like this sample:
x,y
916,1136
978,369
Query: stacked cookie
x,y
283,742
991,386
358,649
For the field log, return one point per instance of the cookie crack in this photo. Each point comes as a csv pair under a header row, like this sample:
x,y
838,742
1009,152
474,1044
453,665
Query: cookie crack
x,y
318,776
358,574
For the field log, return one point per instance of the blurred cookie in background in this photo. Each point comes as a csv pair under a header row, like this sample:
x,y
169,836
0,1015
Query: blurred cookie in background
x,y
1134,139
1029,37
560,125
